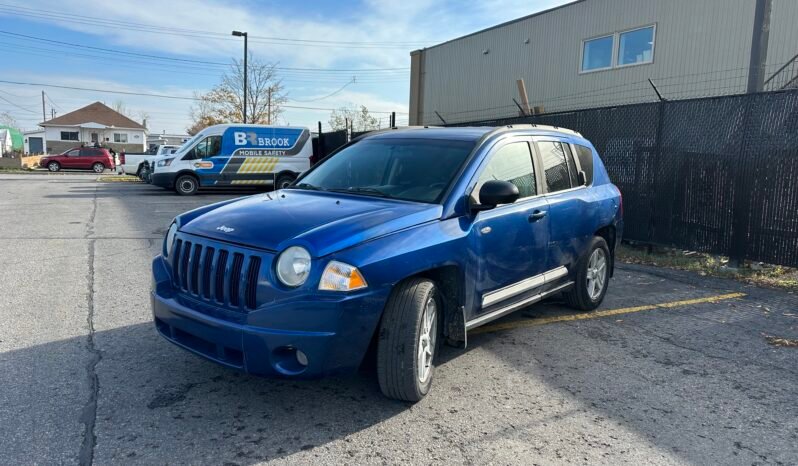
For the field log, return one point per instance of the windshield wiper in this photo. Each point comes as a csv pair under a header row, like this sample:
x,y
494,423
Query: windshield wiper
x,y
363,190
307,186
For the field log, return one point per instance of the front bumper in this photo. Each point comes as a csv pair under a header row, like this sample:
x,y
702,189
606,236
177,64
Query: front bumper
x,y
266,341
164,180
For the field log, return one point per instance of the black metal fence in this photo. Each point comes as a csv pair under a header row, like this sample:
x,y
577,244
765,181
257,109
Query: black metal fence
x,y
716,174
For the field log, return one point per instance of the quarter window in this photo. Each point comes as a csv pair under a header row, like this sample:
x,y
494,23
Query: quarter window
x,y
69,135
120,137
585,156
597,53
636,46
513,163
555,166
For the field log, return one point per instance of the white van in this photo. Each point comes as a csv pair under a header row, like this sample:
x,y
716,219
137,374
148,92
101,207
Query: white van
x,y
234,154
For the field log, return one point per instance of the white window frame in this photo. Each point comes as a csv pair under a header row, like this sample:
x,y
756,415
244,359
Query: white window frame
x,y
616,49
120,141
582,54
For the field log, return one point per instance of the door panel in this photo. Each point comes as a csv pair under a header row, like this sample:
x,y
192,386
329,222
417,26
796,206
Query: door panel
x,y
509,241
71,159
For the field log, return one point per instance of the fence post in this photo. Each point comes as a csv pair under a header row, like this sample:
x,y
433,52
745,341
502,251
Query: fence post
x,y
321,143
652,223
743,187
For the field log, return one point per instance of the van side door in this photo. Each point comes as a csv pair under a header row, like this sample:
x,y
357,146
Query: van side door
x,y
206,161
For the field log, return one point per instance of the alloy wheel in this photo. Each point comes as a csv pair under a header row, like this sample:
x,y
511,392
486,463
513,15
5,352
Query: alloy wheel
x,y
596,273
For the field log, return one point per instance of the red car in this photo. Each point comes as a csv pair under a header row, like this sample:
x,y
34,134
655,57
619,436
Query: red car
x,y
85,158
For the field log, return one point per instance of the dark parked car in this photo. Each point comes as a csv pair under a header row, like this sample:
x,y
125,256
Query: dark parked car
x,y
400,240
83,158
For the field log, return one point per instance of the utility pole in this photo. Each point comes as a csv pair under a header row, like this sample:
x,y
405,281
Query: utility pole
x,y
245,36
44,114
759,46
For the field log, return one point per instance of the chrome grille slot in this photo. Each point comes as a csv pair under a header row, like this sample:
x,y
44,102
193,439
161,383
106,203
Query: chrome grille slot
x,y
251,289
235,279
176,262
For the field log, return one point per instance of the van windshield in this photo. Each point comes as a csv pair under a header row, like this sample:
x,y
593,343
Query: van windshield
x,y
186,145
410,169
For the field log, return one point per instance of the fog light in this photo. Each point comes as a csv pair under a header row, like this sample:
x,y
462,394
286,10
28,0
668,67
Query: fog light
x,y
301,358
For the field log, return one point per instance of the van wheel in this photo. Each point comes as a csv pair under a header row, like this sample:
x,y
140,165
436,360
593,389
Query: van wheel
x,y
98,167
592,277
283,181
186,185
53,166
408,340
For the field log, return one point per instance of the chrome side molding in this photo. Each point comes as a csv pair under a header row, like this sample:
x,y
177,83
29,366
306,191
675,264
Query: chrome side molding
x,y
524,285
484,319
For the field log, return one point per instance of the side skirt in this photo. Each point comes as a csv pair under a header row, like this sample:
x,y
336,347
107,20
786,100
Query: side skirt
x,y
503,311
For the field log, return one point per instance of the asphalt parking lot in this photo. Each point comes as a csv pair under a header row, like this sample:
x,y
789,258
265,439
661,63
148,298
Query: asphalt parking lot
x,y
673,369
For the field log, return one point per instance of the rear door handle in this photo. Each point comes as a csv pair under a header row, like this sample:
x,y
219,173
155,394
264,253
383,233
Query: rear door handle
x,y
537,215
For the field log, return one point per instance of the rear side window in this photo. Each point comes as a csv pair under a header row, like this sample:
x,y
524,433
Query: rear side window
x,y
512,163
555,166
585,156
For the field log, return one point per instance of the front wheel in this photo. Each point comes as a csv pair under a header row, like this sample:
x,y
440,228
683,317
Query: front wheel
x,y
186,185
53,166
592,277
283,181
98,167
408,340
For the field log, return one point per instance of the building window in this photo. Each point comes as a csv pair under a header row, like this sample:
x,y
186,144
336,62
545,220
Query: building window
x,y
597,53
636,47
69,135
625,48
120,137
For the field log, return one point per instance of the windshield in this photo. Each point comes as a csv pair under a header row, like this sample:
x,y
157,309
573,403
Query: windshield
x,y
409,169
180,150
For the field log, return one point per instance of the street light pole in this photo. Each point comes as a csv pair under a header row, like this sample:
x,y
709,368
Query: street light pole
x,y
244,35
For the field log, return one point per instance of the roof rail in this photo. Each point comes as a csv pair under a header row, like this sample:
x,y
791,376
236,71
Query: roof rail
x,y
544,127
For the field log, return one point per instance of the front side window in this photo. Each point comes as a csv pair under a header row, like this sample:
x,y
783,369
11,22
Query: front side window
x,y
417,170
512,163
73,153
208,147
120,137
69,135
597,53
636,46
555,166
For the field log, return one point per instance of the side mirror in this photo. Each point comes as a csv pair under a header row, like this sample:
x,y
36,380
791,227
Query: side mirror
x,y
582,178
495,192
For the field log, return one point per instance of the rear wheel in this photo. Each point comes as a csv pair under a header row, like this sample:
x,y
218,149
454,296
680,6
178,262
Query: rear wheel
x,y
283,181
53,166
592,277
186,185
98,167
408,340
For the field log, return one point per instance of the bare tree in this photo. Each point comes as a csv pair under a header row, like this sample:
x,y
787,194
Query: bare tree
x,y
119,107
224,103
7,120
359,118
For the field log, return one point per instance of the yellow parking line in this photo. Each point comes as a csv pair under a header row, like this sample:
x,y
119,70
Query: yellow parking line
x,y
598,314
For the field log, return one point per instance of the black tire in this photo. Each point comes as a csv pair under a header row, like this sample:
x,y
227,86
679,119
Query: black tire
x,y
186,185
399,340
284,180
579,297
54,166
98,167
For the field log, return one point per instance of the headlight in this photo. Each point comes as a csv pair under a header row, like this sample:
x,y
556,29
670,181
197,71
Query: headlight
x,y
170,239
164,162
293,266
338,276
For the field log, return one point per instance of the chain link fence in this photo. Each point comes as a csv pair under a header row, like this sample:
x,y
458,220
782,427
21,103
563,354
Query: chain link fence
x,y
716,174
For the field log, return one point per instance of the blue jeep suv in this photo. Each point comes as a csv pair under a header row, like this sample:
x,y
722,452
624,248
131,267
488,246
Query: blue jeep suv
x,y
400,240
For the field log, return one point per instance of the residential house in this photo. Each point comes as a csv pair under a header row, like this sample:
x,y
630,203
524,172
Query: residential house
x,y
95,123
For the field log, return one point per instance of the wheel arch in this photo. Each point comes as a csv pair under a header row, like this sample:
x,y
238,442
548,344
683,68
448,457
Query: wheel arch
x,y
609,233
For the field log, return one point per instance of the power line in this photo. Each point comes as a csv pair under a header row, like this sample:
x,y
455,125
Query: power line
x,y
16,105
161,96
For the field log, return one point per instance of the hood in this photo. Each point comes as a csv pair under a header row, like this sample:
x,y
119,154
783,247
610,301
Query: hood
x,y
322,222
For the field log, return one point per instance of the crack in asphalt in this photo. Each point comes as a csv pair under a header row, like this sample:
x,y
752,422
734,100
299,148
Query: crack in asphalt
x,y
88,415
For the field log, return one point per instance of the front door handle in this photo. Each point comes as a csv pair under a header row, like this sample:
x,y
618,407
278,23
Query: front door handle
x,y
537,215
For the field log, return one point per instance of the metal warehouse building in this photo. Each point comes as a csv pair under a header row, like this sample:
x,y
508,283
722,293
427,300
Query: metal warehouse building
x,y
595,53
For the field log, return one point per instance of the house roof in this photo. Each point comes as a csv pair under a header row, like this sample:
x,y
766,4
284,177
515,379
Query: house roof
x,y
94,113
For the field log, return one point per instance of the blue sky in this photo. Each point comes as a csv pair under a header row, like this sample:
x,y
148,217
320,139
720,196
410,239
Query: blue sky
x,y
366,34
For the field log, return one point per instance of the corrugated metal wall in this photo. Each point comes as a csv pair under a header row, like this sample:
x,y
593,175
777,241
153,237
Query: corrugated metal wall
x,y
702,48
